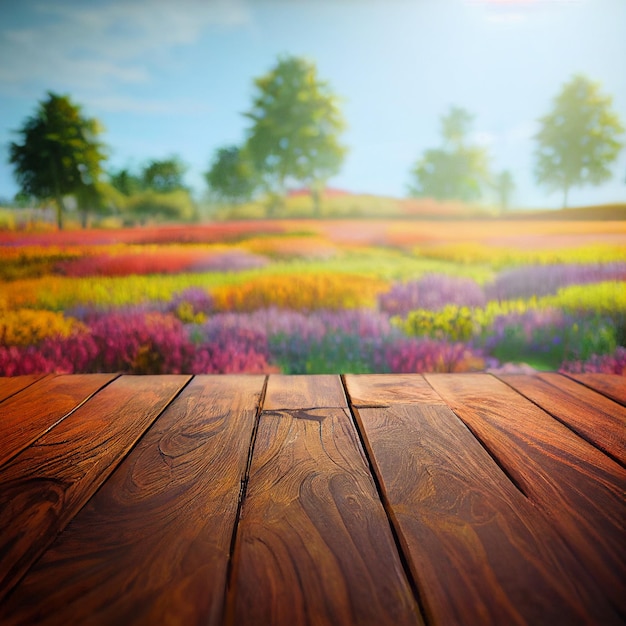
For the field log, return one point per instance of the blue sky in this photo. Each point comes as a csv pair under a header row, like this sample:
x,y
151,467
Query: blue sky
x,y
169,77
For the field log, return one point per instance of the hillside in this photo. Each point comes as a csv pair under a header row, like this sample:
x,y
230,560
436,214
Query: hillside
x,y
611,212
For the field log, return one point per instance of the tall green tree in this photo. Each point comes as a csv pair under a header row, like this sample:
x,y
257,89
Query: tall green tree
x,y
455,171
231,177
125,181
296,124
504,186
456,126
59,153
164,175
578,139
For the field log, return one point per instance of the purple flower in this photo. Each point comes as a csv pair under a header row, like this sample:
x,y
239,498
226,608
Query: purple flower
x,y
199,301
541,280
432,292
230,261
412,356
604,364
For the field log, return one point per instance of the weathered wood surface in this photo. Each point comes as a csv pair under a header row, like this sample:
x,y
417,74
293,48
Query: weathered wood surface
x,y
170,506
15,384
304,392
371,390
46,404
577,485
593,416
314,544
44,486
472,537
364,499
613,387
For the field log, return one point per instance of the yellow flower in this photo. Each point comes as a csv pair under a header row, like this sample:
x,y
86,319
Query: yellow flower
x,y
25,327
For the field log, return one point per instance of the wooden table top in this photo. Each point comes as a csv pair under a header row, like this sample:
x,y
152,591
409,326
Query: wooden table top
x,y
440,499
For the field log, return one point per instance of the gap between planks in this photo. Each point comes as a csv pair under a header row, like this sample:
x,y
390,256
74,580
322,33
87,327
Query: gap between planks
x,y
401,548
557,575
230,583
282,411
607,433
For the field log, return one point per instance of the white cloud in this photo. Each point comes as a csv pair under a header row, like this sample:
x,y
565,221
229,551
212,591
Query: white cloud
x,y
513,136
123,30
483,138
516,13
524,131
129,104
75,45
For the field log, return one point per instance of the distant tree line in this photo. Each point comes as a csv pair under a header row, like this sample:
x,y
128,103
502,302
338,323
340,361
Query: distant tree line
x,y
60,160
576,143
293,137
157,189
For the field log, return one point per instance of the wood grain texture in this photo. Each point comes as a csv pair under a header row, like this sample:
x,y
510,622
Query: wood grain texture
x,y
611,385
314,545
43,487
15,384
304,392
479,551
152,546
579,487
594,417
124,514
31,413
379,390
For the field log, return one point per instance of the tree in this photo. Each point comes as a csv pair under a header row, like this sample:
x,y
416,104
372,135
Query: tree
x,y
157,192
231,177
151,205
504,187
295,128
59,153
101,198
456,170
164,176
578,139
455,126
125,181
88,199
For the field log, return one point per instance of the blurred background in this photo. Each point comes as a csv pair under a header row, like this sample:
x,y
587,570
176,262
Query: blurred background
x,y
171,79
312,186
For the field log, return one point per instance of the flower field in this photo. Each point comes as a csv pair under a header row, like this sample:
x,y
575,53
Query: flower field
x,y
316,297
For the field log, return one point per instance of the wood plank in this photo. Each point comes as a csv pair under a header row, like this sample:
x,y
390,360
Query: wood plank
x,y
314,545
14,384
611,385
478,549
594,417
380,390
579,487
304,392
37,409
43,487
152,546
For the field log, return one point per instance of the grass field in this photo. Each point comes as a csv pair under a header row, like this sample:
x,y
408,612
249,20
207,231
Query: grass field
x,y
309,296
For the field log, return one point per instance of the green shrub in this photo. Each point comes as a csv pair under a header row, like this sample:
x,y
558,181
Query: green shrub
x,y
150,206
